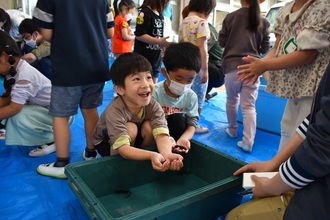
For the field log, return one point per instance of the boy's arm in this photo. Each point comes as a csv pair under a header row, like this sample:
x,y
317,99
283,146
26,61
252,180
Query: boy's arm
x,y
47,34
187,135
132,153
29,57
164,146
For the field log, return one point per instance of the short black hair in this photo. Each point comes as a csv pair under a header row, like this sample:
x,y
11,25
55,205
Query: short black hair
x,y
183,55
28,26
158,5
127,64
206,7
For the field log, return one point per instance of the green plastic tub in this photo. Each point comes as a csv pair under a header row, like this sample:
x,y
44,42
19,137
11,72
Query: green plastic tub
x,y
116,188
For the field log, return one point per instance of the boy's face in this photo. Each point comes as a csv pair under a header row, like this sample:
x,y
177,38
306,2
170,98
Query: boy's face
x,y
138,90
182,76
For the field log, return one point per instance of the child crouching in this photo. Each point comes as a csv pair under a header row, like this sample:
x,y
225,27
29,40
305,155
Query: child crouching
x,y
134,120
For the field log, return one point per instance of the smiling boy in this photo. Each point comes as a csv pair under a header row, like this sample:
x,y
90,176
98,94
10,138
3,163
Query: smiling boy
x,y
134,120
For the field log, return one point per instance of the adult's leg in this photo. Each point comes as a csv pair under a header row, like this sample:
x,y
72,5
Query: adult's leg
x,y
260,209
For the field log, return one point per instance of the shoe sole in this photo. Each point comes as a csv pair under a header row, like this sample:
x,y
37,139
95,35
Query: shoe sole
x,y
40,155
230,135
60,176
244,148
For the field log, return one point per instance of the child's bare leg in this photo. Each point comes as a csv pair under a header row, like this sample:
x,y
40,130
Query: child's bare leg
x,y
62,136
146,133
132,131
90,119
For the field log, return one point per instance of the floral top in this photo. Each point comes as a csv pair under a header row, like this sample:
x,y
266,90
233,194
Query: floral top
x,y
308,28
193,27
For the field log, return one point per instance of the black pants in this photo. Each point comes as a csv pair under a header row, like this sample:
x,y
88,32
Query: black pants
x,y
216,77
103,148
177,125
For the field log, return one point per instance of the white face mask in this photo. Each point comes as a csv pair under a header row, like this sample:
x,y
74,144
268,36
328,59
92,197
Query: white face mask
x,y
178,88
31,43
128,16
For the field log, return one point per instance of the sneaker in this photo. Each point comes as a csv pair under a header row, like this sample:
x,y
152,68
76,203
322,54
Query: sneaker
x,y
50,170
42,150
210,96
244,147
201,130
229,134
88,156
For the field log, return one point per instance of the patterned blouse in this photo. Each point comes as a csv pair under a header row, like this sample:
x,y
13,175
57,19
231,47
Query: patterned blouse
x,y
193,27
308,28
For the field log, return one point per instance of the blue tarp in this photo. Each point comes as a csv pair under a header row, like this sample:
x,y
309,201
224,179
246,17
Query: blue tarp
x,y
24,194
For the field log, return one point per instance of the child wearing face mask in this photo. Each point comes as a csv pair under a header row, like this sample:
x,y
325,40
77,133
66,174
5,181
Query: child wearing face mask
x,y
182,62
38,54
122,41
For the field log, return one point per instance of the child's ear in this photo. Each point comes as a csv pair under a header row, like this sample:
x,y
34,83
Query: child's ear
x,y
119,90
164,72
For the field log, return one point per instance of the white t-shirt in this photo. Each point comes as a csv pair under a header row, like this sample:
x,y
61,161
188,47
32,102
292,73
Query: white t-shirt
x,y
16,17
36,91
